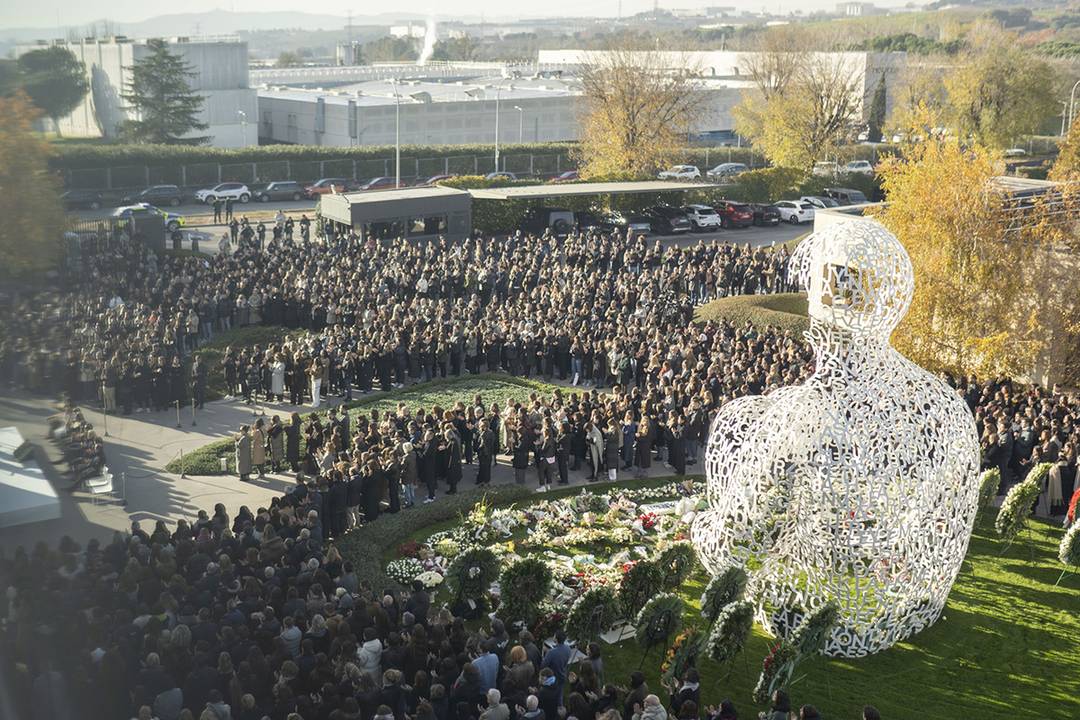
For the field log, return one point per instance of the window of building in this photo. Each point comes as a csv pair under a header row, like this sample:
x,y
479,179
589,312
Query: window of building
x,y
430,225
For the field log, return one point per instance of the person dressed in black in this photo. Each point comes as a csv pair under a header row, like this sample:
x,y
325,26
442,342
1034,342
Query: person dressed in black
x,y
428,452
485,452
292,442
217,211
229,212
452,446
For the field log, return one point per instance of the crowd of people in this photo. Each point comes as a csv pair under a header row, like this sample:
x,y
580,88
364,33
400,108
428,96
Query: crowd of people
x,y
254,616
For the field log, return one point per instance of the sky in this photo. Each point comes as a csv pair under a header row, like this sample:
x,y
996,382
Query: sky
x,y
16,14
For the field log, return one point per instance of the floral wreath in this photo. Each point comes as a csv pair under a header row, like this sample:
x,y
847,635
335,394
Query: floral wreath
x,y
722,590
676,563
1016,507
593,613
681,656
472,572
989,482
730,631
807,641
523,586
405,570
661,618
640,581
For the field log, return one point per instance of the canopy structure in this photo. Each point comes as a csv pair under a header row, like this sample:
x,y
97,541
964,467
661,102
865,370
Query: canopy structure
x,y
26,495
540,192
407,212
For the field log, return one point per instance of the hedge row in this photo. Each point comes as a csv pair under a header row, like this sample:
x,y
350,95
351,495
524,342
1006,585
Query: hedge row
x,y
784,310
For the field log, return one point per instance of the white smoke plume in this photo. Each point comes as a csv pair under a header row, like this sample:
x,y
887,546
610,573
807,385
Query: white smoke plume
x,y
430,37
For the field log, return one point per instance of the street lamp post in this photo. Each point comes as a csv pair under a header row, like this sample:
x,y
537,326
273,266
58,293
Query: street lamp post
x,y
1072,102
498,92
243,127
397,134
521,124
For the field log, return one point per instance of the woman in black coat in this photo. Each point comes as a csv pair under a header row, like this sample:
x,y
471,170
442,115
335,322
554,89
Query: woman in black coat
x,y
453,462
428,456
372,490
292,442
676,444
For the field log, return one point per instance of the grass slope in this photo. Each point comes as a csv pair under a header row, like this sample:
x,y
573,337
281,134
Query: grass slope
x,y
785,310
1005,648
444,392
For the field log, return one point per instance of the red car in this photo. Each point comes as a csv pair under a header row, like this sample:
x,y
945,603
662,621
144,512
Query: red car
x,y
323,187
734,215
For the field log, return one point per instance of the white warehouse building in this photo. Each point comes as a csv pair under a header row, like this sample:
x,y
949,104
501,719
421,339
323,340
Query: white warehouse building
x,y
220,69
431,113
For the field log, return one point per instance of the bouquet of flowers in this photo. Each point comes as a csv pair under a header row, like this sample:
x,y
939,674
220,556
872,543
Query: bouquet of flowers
x,y
448,548
430,579
775,671
405,570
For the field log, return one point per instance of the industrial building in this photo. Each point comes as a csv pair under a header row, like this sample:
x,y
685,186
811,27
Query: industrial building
x,y
220,67
422,112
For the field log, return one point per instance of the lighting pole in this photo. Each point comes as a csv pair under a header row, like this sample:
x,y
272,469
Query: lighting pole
x,y
521,123
498,91
1072,102
397,134
243,127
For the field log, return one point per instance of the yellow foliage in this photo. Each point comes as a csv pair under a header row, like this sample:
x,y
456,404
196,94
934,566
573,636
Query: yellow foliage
x,y
33,217
985,299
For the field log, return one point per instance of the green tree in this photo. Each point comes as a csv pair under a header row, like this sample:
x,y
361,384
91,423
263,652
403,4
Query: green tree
x,y
54,79
166,110
461,48
286,59
10,77
876,117
33,221
999,92
390,49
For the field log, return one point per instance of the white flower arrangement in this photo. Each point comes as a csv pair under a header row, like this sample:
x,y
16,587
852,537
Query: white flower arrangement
x,y
405,570
430,579
1069,550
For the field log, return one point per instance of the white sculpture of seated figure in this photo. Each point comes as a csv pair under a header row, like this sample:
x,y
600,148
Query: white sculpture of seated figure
x,y
858,486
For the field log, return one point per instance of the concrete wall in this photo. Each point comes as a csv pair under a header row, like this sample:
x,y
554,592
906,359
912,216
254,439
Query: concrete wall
x,y
221,77
285,118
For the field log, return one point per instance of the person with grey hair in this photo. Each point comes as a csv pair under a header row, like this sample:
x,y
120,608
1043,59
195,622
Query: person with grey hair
x,y
496,709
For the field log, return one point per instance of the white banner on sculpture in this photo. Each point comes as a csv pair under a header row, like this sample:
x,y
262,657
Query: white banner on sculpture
x,y
858,486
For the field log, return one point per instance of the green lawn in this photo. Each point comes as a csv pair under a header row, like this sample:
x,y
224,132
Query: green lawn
x,y
1006,646
445,392
238,337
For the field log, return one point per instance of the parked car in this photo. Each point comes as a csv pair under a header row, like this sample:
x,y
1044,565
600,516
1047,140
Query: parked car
x,y
500,175
640,224
557,220
819,201
859,167
589,221
434,180
92,199
156,195
702,217
379,183
726,170
846,196
734,215
765,214
568,176
680,172
280,190
825,169
140,210
667,220
795,211
224,191
326,185
1015,152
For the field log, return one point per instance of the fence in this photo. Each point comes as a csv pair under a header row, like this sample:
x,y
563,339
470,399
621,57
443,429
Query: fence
x,y
193,175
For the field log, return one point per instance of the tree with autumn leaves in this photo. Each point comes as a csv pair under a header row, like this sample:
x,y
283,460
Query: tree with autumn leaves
x,y
33,216
996,289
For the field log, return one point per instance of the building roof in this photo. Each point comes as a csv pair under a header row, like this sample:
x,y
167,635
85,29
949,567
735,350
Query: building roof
x,y
412,193
412,91
535,192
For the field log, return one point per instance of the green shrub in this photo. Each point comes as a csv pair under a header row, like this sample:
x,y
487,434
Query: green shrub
x,y
784,310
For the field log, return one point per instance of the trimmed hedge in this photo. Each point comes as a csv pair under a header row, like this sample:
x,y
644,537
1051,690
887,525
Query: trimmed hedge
x,y
784,310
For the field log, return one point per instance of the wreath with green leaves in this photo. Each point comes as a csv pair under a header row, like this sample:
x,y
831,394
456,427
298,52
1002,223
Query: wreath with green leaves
x,y
722,590
730,631
808,640
1069,549
471,573
523,586
989,482
640,581
592,614
1016,507
659,619
676,563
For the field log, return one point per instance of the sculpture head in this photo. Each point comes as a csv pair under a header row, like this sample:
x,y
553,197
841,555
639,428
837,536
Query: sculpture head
x,y
858,277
